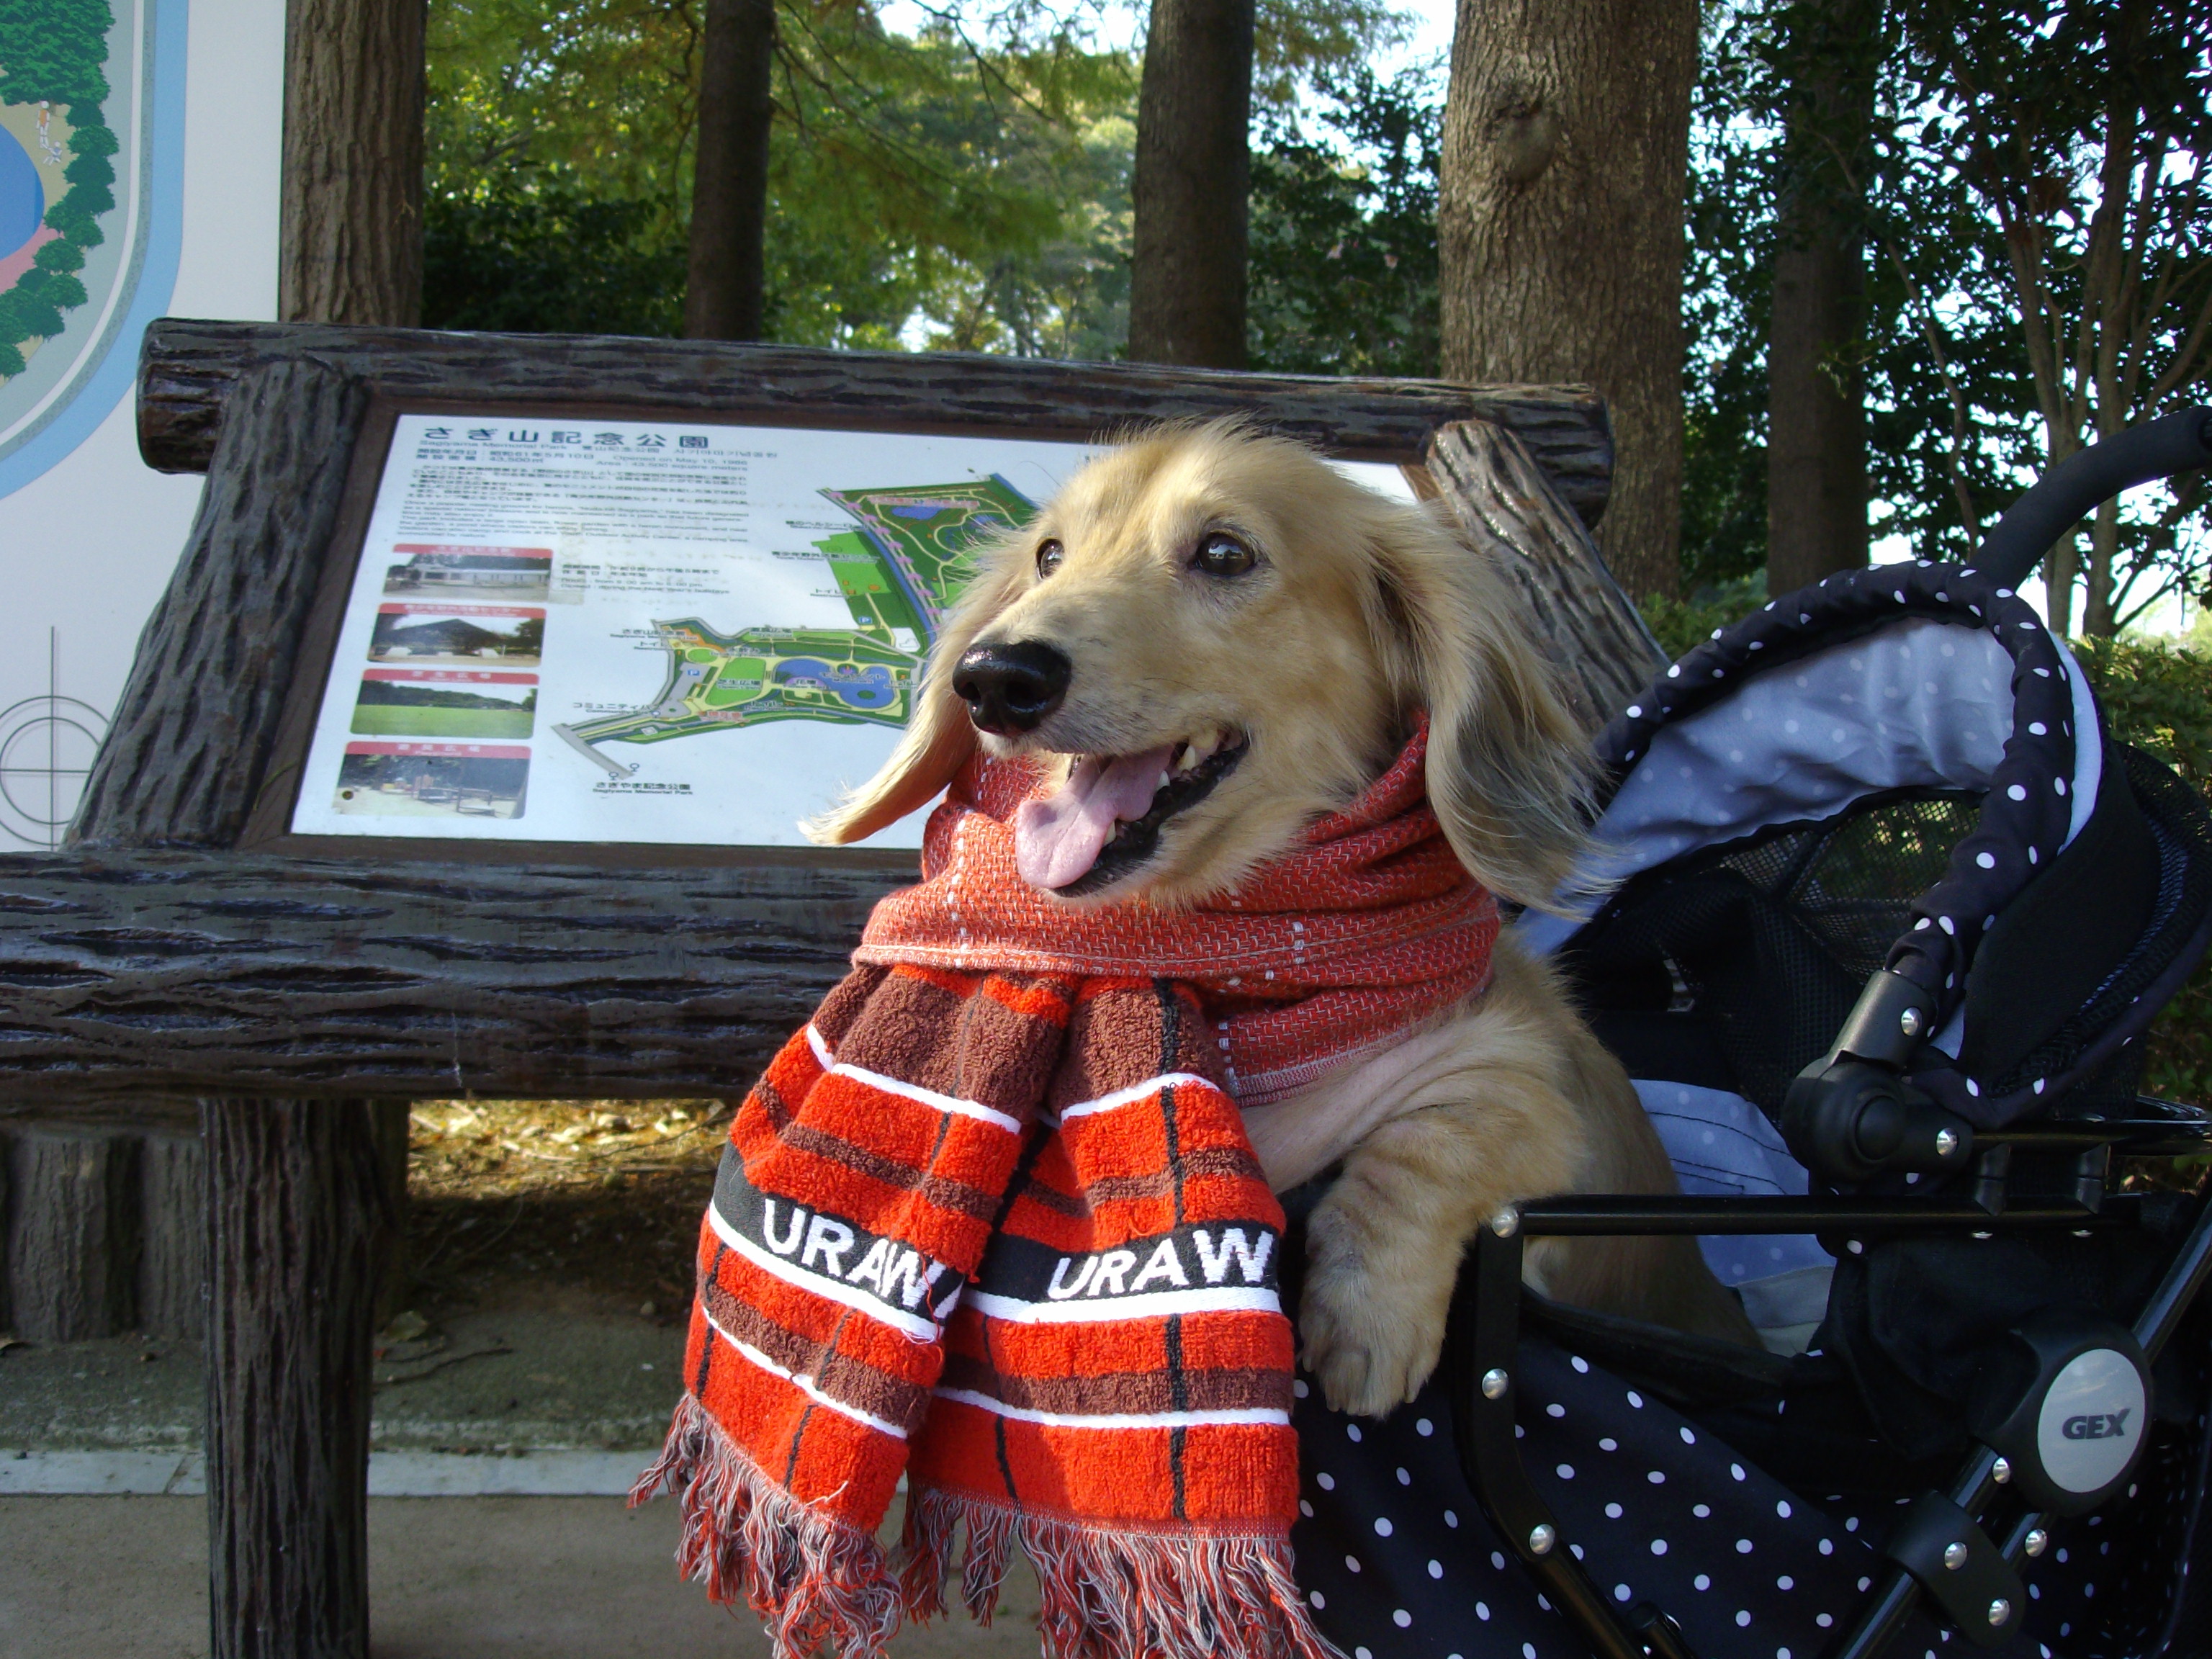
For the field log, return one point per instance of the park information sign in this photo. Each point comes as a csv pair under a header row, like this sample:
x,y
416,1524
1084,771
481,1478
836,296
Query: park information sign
x,y
646,631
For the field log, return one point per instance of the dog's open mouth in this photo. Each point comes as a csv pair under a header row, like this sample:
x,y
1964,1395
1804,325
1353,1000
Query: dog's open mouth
x,y
1105,820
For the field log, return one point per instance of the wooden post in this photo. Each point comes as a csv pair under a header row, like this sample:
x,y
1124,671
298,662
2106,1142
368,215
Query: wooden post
x,y
291,1224
296,1210
1507,508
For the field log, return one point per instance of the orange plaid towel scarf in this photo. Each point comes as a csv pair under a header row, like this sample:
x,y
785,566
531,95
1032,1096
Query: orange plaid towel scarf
x,y
992,1220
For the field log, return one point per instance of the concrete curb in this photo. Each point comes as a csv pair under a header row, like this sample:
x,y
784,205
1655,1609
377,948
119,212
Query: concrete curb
x,y
391,1474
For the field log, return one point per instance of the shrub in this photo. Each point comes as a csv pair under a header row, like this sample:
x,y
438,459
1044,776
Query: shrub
x,y
1681,625
2158,697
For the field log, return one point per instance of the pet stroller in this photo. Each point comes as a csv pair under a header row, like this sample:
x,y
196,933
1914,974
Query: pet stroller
x,y
1881,916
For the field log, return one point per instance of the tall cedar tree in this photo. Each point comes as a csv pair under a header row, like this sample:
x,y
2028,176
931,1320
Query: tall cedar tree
x,y
1816,441
1193,177
1559,229
352,212
725,295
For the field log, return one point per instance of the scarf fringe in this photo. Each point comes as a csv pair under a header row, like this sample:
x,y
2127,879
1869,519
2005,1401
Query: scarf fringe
x,y
818,1582
1115,1594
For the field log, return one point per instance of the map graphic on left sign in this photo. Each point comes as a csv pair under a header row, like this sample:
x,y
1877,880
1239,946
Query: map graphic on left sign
x,y
644,631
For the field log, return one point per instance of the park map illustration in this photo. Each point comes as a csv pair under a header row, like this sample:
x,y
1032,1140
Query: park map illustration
x,y
898,573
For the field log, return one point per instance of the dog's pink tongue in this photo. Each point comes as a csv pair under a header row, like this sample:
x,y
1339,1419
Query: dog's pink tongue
x,y
1060,837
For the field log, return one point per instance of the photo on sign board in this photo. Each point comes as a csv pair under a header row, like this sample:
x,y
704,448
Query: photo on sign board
x,y
455,636
444,703
489,573
400,781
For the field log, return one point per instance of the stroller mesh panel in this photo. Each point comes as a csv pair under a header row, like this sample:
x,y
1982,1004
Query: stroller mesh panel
x,y
1759,950
2184,891
1852,883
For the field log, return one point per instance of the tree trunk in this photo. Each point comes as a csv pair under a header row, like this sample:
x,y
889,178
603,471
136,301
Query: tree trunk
x,y
294,1203
725,294
1816,464
72,1235
173,1193
1560,231
1189,191
1816,461
352,210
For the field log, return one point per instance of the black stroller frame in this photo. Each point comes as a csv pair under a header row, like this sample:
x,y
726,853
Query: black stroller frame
x,y
1850,1115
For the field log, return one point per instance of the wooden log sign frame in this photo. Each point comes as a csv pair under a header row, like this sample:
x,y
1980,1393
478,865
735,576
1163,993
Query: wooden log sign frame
x,y
156,954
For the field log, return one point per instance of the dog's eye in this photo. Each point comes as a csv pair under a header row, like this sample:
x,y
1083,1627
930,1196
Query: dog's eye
x,y
1222,554
1048,556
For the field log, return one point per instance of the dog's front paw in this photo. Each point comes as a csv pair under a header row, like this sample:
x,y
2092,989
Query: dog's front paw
x,y
1371,1320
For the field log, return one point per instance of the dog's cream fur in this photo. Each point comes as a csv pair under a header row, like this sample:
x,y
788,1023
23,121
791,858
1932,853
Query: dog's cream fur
x,y
1359,612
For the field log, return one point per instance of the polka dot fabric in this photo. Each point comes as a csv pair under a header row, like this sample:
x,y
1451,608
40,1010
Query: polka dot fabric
x,y
1396,1558
2029,809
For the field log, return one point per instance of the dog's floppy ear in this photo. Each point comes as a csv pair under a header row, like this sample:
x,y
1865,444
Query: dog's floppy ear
x,y
939,737
1509,769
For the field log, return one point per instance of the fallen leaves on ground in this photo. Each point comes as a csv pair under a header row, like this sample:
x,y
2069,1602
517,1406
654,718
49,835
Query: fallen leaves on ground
x,y
598,1198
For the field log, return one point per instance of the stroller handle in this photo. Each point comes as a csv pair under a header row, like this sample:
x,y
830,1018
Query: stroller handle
x,y
2179,442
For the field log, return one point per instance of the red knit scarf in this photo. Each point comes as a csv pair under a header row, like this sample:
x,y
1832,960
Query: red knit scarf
x,y
992,1220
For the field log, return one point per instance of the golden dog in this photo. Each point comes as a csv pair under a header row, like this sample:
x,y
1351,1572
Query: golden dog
x,y
1219,638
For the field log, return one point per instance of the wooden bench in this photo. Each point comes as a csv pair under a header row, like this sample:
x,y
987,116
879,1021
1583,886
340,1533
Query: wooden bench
x,y
158,956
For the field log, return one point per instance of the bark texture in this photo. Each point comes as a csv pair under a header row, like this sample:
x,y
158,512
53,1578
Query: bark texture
x,y
724,292
173,1198
197,973
294,1211
188,372
183,761
72,1233
1816,457
1559,230
1591,631
351,232
1191,185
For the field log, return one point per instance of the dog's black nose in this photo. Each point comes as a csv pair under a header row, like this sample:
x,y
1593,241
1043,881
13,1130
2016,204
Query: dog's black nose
x,y
1012,688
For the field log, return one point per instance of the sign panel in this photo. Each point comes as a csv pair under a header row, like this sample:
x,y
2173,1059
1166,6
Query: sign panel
x,y
140,144
648,631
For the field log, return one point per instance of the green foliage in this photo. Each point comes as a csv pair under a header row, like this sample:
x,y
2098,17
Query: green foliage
x,y
1726,250
11,362
548,261
64,293
26,308
53,49
966,189
90,170
87,135
1343,233
59,256
976,189
1681,625
2028,179
2158,697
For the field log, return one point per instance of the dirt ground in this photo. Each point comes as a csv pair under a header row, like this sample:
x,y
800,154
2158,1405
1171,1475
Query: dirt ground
x,y
582,1206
